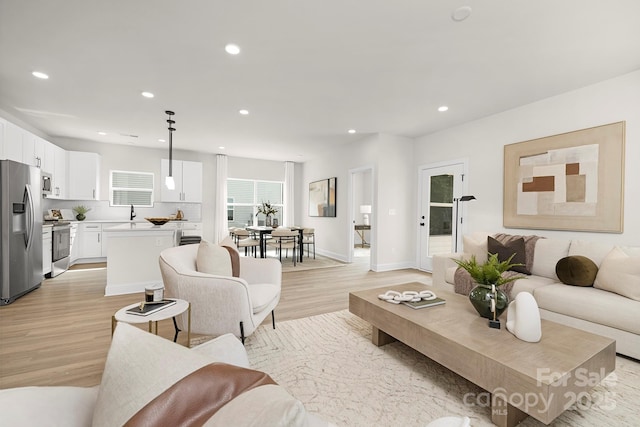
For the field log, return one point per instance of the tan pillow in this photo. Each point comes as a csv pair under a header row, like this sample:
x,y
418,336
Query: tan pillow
x,y
213,259
269,405
139,367
620,273
475,244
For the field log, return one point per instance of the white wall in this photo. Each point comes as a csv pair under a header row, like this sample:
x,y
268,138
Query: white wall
x,y
393,182
483,140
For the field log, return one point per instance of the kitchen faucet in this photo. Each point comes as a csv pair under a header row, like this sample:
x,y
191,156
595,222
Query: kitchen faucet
x,y
133,214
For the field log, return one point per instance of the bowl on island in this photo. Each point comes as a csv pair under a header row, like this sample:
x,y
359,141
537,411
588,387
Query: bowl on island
x,y
158,220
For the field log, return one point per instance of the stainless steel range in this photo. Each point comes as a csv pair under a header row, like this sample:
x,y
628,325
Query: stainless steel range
x,y
61,248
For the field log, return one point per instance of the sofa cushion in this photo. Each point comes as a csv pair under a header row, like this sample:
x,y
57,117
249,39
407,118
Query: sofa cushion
x,y
590,304
546,256
576,270
213,259
592,250
620,273
48,406
139,367
530,284
268,405
514,247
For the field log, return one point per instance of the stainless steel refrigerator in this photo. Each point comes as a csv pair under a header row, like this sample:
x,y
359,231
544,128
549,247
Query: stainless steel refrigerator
x,y
21,228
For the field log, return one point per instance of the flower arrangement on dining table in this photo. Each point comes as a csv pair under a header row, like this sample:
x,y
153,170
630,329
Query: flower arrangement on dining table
x,y
267,209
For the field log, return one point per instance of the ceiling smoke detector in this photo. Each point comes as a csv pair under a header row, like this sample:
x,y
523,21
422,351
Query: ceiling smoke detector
x,y
461,13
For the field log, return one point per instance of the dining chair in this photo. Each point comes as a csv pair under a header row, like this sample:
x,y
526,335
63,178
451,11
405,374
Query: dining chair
x,y
247,240
284,238
309,239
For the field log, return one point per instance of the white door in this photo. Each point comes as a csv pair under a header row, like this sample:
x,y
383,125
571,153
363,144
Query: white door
x,y
437,224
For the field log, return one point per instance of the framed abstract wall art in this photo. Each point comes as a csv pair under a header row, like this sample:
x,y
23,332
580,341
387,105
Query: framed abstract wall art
x,y
322,197
572,181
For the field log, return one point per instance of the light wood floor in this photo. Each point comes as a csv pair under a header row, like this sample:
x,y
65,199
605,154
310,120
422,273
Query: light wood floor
x,y
59,334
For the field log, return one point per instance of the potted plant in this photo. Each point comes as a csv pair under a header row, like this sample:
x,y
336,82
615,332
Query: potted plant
x,y
268,210
80,211
489,277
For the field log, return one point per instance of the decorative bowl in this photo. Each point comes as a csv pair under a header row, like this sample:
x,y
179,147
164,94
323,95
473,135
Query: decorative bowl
x,y
158,220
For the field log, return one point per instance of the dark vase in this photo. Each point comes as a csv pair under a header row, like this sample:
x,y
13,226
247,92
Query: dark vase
x,y
80,217
481,297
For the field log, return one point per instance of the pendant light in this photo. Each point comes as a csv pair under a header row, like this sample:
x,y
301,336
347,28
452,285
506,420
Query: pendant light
x,y
169,182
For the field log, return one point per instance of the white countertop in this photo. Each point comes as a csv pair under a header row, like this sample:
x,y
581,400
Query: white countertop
x,y
147,226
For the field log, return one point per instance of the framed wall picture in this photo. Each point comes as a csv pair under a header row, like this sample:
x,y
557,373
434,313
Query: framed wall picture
x,y
572,181
322,197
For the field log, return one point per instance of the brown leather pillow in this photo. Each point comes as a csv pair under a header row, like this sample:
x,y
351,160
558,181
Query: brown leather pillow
x,y
576,270
504,251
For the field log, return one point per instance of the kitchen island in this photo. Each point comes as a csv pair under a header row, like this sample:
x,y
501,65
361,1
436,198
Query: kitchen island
x,y
134,249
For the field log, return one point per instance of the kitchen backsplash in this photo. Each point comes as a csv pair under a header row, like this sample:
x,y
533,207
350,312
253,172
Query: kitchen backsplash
x,y
100,210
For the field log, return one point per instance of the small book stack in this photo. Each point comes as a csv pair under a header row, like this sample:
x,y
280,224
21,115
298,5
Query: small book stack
x,y
424,303
147,308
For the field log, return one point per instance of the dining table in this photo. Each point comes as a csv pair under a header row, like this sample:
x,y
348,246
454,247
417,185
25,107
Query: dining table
x,y
263,231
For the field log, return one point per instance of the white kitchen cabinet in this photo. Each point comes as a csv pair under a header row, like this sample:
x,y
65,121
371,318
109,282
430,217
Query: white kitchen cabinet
x,y
75,244
90,238
59,187
188,178
13,142
32,149
84,175
49,157
47,249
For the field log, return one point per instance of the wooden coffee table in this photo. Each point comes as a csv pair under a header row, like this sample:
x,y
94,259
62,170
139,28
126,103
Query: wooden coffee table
x,y
538,379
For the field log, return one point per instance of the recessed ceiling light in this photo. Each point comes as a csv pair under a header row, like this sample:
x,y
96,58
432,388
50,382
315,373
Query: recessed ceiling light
x,y
461,13
148,94
443,108
161,140
40,75
102,133
221,148
244,112
232,49
351,131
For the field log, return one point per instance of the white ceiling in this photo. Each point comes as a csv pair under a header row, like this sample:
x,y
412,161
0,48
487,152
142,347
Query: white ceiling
x,y
309,70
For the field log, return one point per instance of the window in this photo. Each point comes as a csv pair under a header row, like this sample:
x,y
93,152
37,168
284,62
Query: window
x,y
244,197
130,188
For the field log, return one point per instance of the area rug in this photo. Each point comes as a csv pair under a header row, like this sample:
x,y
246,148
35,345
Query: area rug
x,y
309,264
330,364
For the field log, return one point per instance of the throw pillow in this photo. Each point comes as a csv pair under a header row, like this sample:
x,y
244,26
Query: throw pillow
x,y
576,270
213,259
476,244
504,251
139,367
619,273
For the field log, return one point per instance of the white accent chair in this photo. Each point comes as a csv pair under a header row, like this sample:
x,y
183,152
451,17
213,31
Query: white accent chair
x,y
221,304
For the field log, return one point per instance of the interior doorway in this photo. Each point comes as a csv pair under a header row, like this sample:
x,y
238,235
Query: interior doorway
x,y
439,224
362,212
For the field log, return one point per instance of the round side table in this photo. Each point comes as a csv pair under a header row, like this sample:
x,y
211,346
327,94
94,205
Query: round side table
x,y
166,313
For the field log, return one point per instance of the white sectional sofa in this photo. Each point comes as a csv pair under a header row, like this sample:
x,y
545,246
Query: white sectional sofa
x,y
602,309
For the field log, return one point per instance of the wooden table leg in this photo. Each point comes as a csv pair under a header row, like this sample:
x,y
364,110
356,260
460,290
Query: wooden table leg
x,y
380,338
505,415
